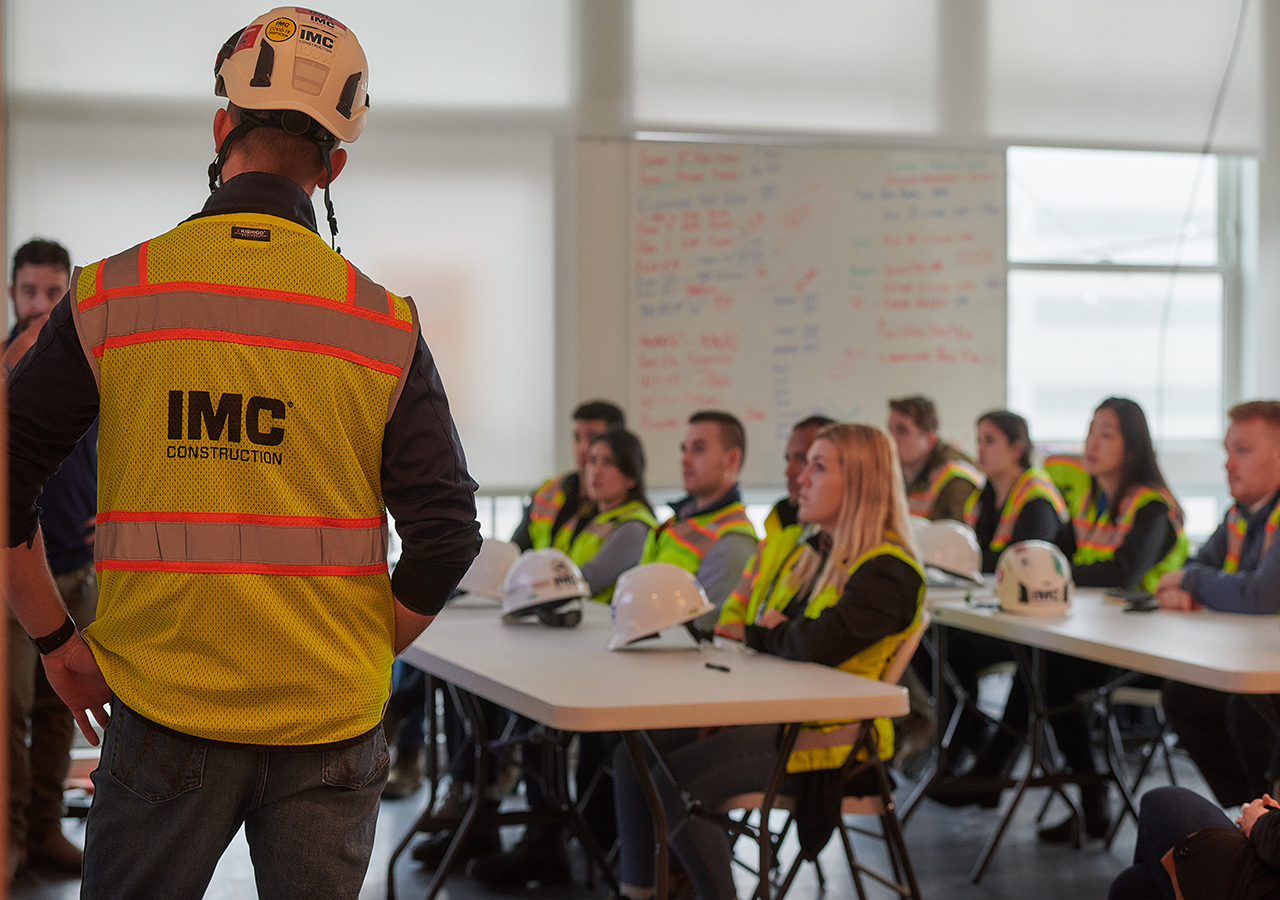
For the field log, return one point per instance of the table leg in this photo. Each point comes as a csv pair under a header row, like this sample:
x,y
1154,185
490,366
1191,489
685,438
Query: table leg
x,y
661,858
474,715
941,735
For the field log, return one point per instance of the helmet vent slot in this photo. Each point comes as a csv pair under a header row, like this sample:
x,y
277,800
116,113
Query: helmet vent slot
x,y
262,71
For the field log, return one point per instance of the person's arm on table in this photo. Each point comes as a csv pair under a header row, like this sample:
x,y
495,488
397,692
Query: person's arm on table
x,y
878,601
431,497
1256,592
1258,823
1148,540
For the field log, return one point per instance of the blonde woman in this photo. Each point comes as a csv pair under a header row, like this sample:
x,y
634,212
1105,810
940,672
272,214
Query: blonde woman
x,y
842,592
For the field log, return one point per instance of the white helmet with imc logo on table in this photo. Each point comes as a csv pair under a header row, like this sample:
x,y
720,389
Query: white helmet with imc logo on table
x,y
1033,578
546,584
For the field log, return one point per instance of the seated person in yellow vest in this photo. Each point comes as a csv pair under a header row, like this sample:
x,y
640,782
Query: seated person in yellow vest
x,y
1018,503
558,499
1237,570
607,534
710,534
843,594
1069,476
1125,533
783,514
940,479
262,405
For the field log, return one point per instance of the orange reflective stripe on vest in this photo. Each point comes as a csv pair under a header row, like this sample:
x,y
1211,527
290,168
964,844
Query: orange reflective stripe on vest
x,y
1237,525
921,502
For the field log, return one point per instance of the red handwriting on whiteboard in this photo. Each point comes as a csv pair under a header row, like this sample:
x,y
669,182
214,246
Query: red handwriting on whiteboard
x,y
652,381
977,257
713,379
894,358
697,399
723,301
722,340
650,179
709,359
649,423
797,215
804,280
699,290
655,341
755,415
893,334
652,159
754,221
724,174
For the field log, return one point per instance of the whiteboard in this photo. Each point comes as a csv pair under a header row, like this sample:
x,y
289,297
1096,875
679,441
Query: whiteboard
x,y
776,282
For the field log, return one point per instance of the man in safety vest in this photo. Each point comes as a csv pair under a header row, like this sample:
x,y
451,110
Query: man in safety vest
x,y
709,534
1231,736
558,499
940,479
262,405
783,514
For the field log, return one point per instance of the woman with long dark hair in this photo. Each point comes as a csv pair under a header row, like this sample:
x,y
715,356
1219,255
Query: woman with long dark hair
x,y
1127,530
607,535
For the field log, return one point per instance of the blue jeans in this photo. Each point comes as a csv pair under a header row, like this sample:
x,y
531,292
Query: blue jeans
x,y
733,761
1166,816
165,808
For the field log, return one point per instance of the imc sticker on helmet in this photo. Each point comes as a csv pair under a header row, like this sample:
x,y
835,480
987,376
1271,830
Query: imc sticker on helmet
x,y
247,38
240,233
281,29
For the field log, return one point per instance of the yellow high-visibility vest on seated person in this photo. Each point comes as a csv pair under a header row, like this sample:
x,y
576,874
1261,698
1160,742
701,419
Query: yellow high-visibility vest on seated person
x,y
1032,483
585,544
1098,536
545,506
241,533
686,541
821,745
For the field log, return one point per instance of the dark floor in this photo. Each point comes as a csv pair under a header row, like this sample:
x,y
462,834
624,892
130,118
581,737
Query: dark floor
x,y
943,843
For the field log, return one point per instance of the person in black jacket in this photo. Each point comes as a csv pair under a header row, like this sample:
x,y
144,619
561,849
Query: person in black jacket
x,y
1187,849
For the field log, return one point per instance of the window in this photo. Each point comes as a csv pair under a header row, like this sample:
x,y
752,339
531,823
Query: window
x,y
1123,273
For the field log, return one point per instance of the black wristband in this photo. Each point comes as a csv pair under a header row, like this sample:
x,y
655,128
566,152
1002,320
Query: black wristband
x,y
51,642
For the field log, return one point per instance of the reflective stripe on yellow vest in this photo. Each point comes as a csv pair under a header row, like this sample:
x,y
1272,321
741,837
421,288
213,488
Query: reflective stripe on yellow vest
x,y
1032,483
545,505
823,745
244,389
1067,473
1236,527
1099,536
587,543
686,541
921,502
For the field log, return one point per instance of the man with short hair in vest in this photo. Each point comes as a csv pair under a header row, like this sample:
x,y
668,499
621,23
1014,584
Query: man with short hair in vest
x,y
262,406
784,512
709,533
940,479
557,500
1230,736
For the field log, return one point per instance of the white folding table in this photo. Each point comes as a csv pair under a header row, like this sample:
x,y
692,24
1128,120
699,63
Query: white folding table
x,y
1225,652
565,679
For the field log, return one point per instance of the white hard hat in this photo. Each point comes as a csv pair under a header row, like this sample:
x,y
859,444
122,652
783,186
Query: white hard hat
x,y
652,597
951,547
542,583
919,525
1033,578
297,59
488,572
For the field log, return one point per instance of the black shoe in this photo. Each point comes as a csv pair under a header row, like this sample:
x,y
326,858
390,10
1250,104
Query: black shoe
x,y
482,840
540,856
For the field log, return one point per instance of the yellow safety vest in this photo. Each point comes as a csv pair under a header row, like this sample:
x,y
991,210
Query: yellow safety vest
x,y
545,505
921,502
775,521
1099,536
686,541
1032,483
1237,524
587,543
821,745
1066,470
246,373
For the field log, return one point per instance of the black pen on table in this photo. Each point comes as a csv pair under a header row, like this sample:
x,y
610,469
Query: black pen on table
x,y
717,667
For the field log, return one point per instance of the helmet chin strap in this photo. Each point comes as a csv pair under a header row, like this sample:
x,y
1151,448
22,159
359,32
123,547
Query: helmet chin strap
x,y
247,124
